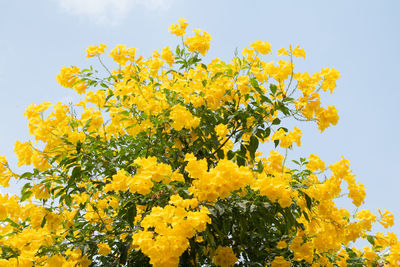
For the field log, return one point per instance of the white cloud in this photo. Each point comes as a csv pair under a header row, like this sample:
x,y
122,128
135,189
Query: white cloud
x,y
110,11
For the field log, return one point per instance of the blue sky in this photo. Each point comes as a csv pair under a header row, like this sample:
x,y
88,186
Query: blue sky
x,y
359,38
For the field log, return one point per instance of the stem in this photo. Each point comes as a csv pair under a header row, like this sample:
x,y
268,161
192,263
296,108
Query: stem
x,y
227,139
104,66
291,75
284,160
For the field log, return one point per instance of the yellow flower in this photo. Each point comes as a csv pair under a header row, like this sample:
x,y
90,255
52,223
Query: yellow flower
x,y
281,244
249,53
167,55
55,260
280,261
276,189
104,249
261,47
40,191
24,153
315,163
94,50
224,257
183,118
286,140
275,160
221,130
121,54
199,43
302,251
76,137
330,76
3,164
243,83
282,51
325,117
369,254
356,193
178,29
387,219
67,76
366,218
299,52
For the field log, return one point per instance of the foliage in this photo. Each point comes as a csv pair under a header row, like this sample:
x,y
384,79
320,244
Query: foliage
x,y
159,165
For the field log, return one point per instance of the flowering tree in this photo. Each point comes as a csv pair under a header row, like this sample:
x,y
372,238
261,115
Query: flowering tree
x,y
159,165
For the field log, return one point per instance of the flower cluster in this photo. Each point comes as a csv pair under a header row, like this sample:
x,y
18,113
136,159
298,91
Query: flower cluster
x,y
171,227
199,43
160,163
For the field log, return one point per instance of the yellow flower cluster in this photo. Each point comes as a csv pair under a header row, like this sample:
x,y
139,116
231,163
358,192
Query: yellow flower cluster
x,y
68,78
121,54
179,29
221,130
27,156
5,173
218,182
167,55
173,225
341,170
104,249
146,159
182,118
387,219
28,242
199,43
277,189
224,257
287,139
94,50
280,261
148,173
261,47
298,52
243,84
326,117
315,163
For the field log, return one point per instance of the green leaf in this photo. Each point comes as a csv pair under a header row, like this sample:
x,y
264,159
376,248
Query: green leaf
x,y
276,121
125,113
254,82
25,196
123,249
230,155
43,221
260,166
130,212
371,239
267,132
26,187
276,142
253,145
308,201
220,154
67,200
13,224
273,88
306,216
75,173
26,175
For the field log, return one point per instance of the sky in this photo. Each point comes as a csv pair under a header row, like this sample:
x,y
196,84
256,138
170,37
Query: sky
x,y
358,38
